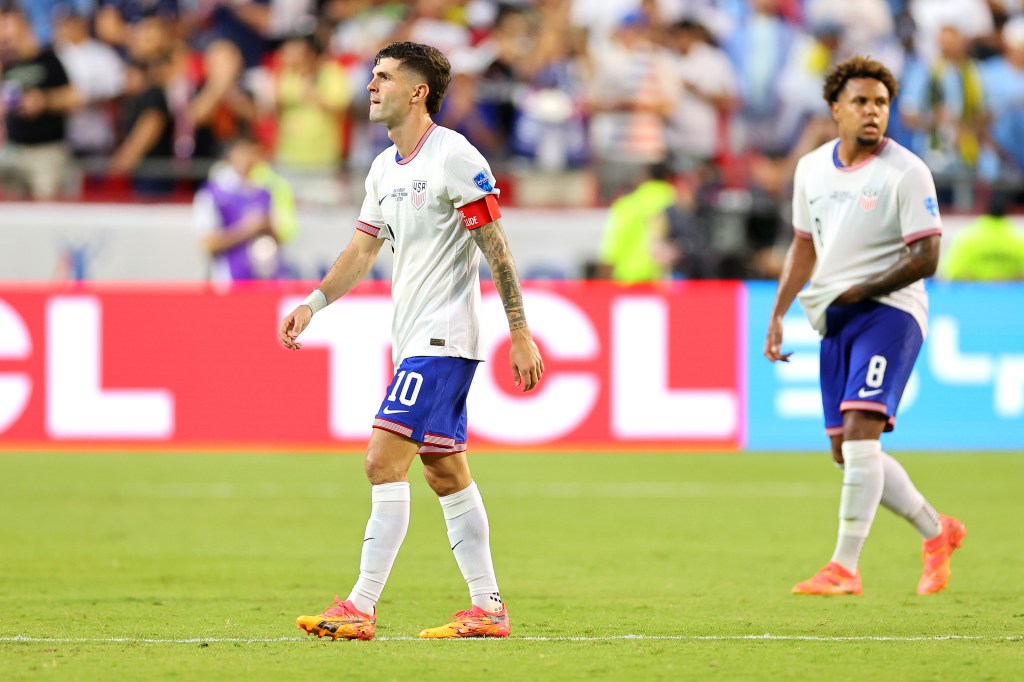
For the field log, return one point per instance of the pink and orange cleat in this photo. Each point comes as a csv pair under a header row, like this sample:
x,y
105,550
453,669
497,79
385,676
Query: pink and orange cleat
x,y
831,580
936,553
474,622
340,620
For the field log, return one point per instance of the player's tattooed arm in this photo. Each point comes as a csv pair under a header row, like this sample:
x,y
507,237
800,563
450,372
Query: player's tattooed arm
x,y
919,261
527,364
494,245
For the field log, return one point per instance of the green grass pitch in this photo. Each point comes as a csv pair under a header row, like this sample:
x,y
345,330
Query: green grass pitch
x,y
618,567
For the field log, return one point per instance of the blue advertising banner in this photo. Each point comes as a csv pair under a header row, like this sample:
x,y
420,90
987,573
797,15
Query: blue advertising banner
x,y
967,390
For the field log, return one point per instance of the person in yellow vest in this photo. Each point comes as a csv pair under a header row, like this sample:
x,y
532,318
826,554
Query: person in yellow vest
x,y
990,249
635,229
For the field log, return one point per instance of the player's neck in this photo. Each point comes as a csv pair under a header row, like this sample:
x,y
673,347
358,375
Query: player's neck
x,y
850,152
408,133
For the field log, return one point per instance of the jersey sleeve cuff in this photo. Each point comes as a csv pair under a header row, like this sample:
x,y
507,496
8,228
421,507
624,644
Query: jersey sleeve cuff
x,y
797,232
369,229
478,213
917,236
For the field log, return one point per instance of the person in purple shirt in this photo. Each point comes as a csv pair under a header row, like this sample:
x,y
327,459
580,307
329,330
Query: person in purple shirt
x,y
234,219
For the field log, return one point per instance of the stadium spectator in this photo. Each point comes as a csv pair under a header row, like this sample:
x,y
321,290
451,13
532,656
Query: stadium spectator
x,y
944,102
221,108
43,14
631,93
361,27
147,149
312,98
1003,82
462,112
247,24
115,19
759,49
633,248
550,122
865,26
96,73
234,219
707,96
973,19
509,60
991,248
441,22
36,96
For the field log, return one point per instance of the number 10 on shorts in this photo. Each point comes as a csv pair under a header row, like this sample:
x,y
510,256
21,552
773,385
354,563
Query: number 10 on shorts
x,y
411,382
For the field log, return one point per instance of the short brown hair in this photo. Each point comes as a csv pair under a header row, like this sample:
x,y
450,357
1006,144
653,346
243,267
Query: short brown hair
x,y
428,62
857,67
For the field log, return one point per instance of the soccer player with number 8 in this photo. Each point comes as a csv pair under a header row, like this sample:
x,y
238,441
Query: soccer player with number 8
x,y
867,228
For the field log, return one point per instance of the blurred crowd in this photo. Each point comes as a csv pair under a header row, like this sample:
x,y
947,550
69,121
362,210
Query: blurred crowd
x,y
714,98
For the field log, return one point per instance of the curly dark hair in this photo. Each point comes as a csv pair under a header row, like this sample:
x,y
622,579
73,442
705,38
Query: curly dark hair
x,y
857,67
428,62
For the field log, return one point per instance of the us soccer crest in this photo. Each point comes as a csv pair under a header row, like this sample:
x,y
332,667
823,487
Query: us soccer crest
x,y
869,198
419,193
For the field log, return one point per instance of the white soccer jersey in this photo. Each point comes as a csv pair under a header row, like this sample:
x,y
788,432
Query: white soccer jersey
x,y
860,219
415,202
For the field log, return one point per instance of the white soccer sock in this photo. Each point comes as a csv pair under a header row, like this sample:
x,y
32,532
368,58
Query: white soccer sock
x,y
863,479
469,535
901,497
389,520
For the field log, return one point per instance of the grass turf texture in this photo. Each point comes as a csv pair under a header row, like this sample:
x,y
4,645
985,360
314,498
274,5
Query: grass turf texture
x,y
700,548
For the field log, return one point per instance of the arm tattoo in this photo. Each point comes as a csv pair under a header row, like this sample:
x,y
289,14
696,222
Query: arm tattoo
x,y
920,261
493,244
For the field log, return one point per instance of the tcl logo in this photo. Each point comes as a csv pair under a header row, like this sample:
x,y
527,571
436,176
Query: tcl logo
x,y
199,367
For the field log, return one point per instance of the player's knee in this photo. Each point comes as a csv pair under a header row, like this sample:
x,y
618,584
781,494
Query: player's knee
x,y
379,470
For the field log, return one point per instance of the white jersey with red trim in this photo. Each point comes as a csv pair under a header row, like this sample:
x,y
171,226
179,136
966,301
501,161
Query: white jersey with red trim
x,y
414,202
860,219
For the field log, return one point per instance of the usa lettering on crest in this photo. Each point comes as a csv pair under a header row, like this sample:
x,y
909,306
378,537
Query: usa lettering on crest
x,y
419,193
869,198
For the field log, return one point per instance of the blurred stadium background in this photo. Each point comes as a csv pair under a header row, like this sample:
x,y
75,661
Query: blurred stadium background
x,y
118,336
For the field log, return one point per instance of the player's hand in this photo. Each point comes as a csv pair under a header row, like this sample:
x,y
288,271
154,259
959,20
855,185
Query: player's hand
x,y
527,365
293,325
773,342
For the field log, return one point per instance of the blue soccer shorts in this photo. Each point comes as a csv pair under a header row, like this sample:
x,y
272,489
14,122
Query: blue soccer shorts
x,y
426,402
867,355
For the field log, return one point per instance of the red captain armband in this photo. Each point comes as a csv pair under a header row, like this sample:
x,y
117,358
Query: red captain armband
x,y
480,212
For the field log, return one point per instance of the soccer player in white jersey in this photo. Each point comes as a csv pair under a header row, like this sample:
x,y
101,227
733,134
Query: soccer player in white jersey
x,y
432,196
867,233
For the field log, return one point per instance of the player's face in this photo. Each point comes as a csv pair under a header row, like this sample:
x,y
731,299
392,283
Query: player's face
x,y
391,92
862,111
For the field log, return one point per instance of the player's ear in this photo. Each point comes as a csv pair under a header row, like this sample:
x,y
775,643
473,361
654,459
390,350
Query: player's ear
x,y
419,93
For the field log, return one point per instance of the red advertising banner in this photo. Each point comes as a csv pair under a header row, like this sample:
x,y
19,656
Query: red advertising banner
x,y
194,367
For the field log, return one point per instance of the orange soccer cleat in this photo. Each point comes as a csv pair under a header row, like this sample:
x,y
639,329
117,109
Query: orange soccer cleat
x,y
936,553
831,580
340,620
472,623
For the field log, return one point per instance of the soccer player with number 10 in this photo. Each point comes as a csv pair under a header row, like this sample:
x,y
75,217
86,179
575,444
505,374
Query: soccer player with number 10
x,y
432,195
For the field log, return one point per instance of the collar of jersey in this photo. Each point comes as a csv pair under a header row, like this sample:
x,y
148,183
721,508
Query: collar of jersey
x,y
400,161
846,169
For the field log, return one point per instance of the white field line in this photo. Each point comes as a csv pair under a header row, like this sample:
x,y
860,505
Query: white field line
x,y
554,490
614,638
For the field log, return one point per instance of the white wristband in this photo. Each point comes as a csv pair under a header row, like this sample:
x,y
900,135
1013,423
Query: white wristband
x,y
316,301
